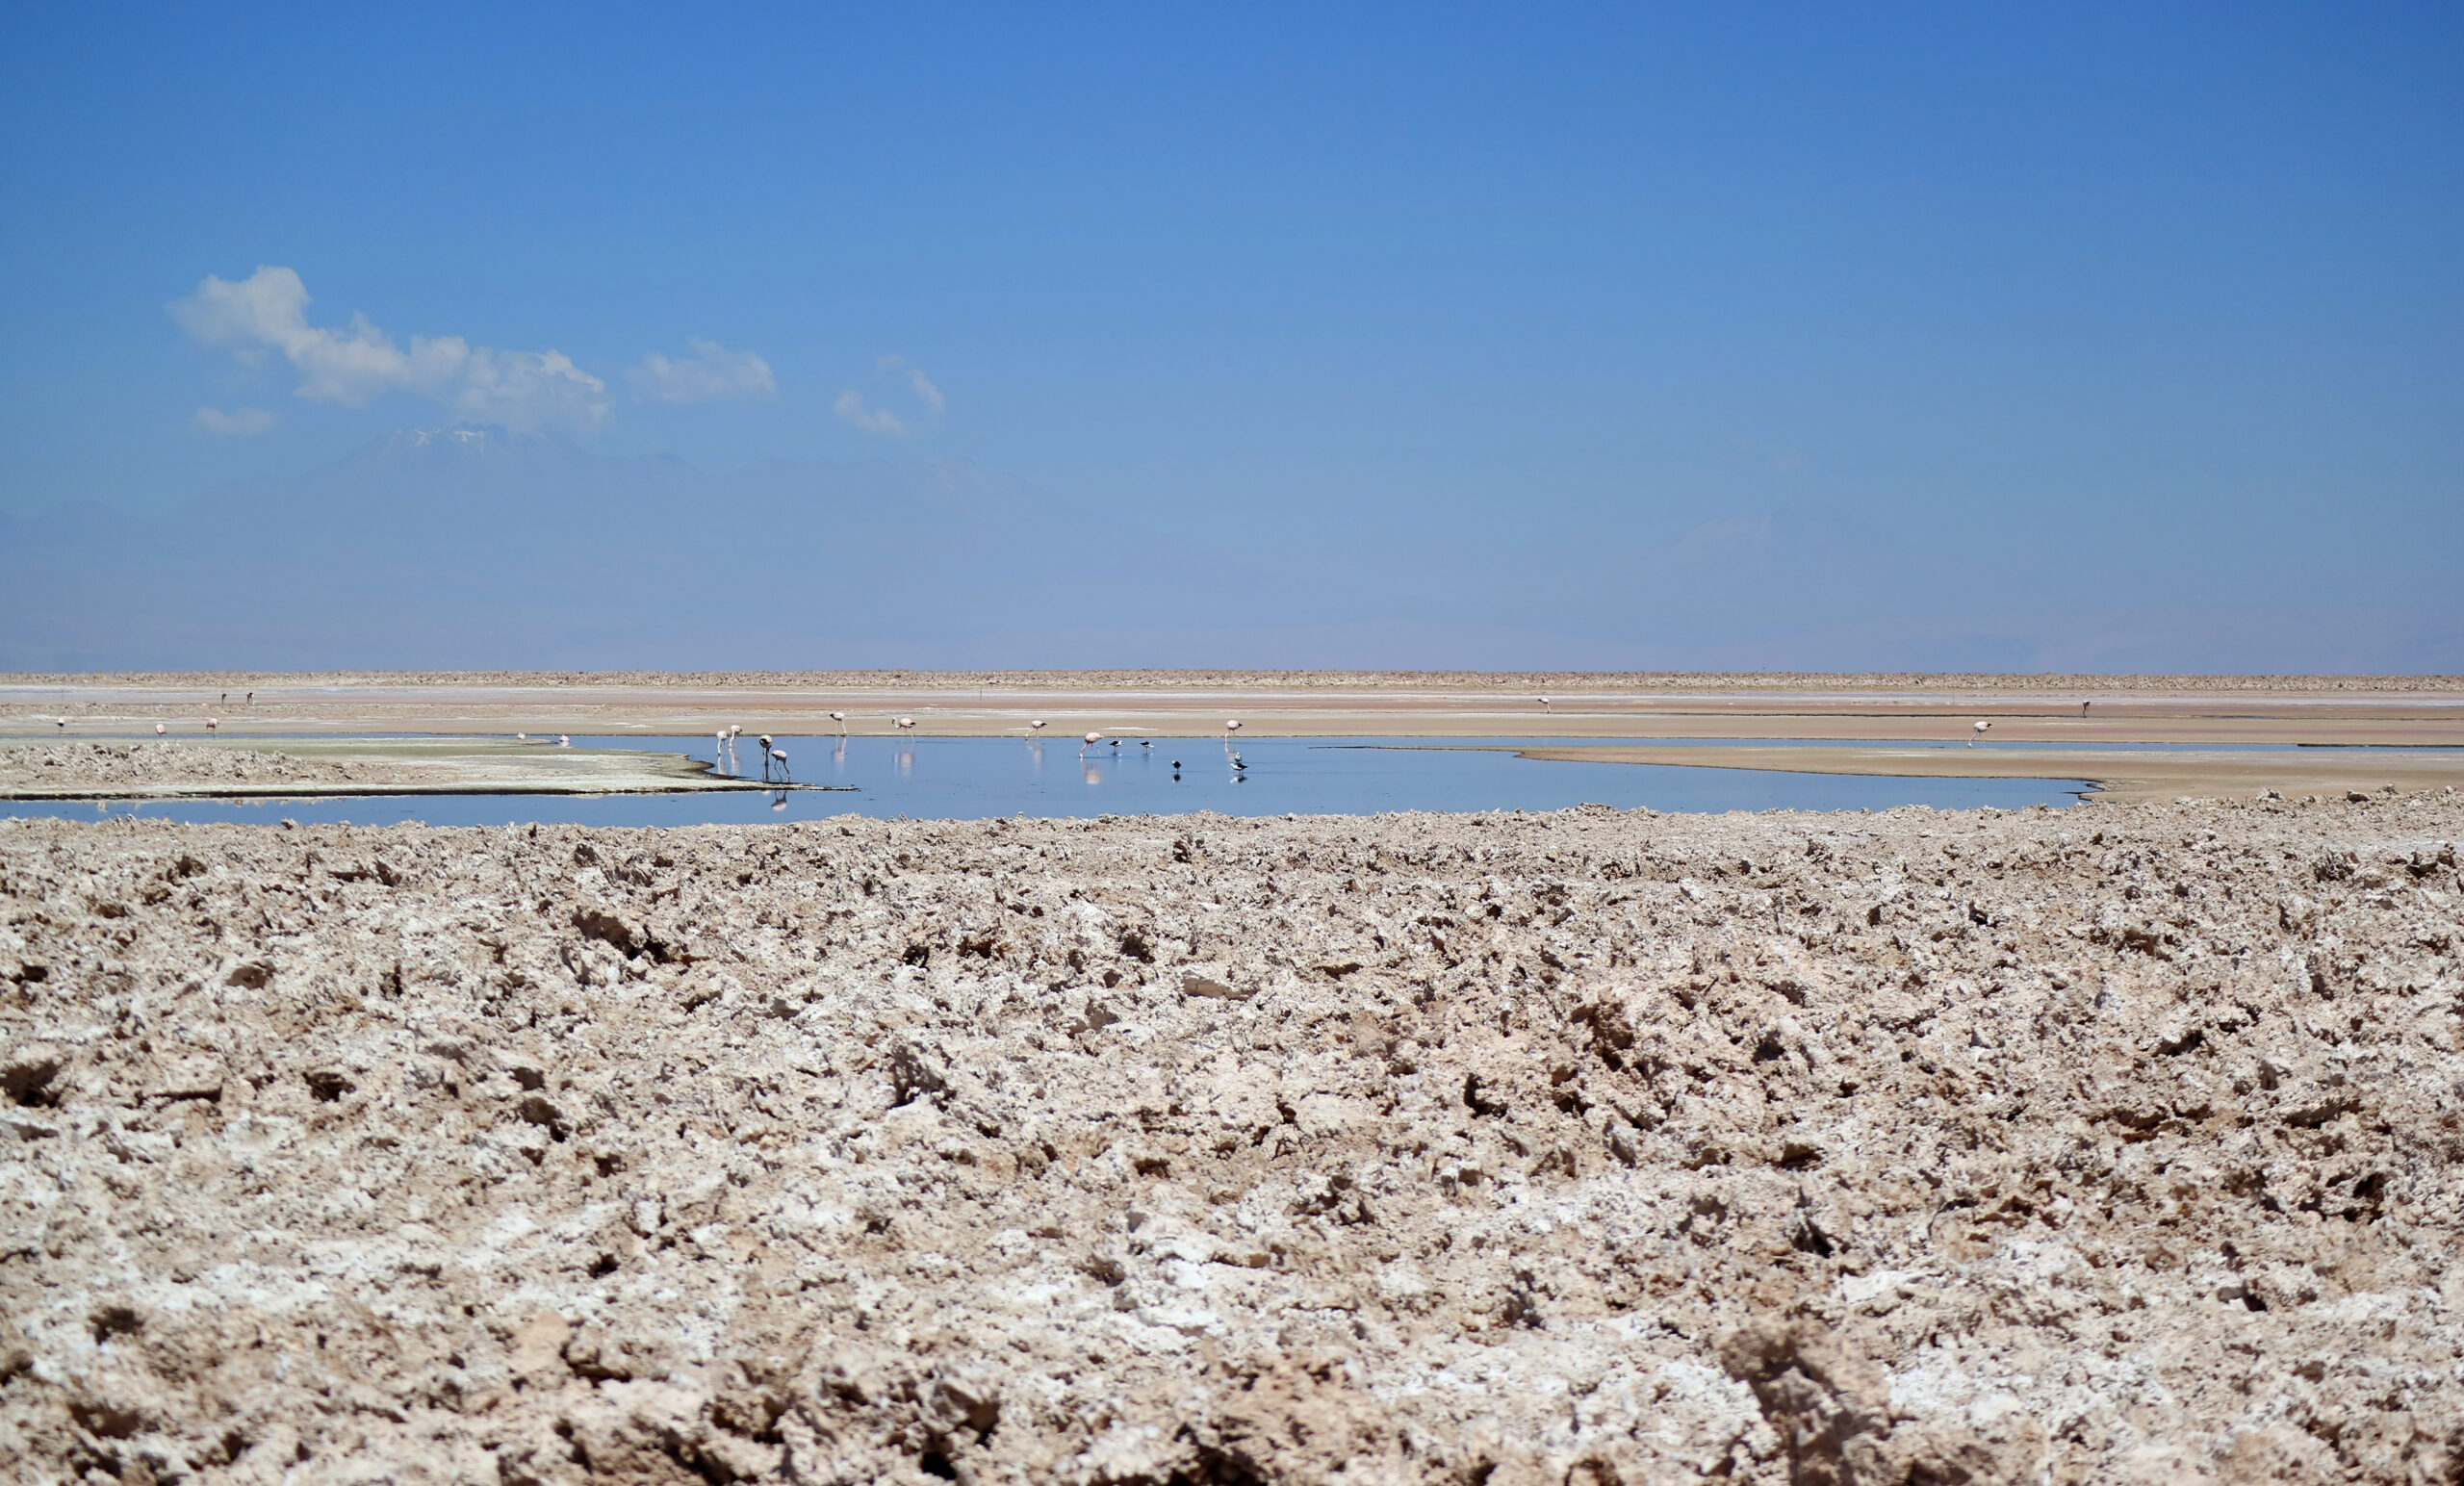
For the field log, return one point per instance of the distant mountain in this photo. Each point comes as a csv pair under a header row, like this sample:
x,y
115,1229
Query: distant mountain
x,y
472,546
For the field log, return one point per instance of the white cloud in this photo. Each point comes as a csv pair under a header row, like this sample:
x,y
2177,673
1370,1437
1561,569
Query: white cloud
x,y
851,405
269,311
237,423
925,392
712,373
851,408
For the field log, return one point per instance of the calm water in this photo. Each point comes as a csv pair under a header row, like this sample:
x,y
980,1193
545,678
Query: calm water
x,y
974,777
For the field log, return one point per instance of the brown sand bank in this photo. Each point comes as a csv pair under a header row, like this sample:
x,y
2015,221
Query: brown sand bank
x,y
2118,774
2353,710
1593,1146
313,767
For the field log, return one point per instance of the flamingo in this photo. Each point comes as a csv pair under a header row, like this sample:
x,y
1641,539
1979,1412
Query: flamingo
x,y
1092,739
764,741
212,723
158,730
840,718
1980,733
906,723
2083,709
1543,704
781,754
564,740
1034,727
63,722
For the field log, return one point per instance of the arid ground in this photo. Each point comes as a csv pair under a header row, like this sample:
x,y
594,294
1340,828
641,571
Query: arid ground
x,y
2115,1144
2409,725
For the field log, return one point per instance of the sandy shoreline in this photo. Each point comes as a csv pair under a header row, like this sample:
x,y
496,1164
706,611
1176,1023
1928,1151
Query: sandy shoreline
x,y
2004,1146
2118,775
341,768
2388,710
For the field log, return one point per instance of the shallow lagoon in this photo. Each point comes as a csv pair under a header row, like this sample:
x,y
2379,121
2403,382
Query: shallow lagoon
x,y
928,778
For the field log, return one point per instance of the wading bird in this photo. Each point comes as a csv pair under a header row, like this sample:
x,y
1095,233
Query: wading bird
x,y
781,754
764,741
1980,729
1092,739
1035,727
2083,709
906,723
564,740
212,723
840,718
63,722
158,730
1543,704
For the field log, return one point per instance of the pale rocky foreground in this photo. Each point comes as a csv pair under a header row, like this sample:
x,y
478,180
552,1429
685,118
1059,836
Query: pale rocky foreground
x,y
2123,1143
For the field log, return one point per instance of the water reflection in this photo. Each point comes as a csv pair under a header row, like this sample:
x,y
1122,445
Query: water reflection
x,y
927,778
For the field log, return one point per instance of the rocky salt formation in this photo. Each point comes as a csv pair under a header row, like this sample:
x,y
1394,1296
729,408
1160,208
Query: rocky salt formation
x,y
2119,1143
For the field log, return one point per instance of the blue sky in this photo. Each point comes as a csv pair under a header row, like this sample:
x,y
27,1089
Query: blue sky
x,y
2126,302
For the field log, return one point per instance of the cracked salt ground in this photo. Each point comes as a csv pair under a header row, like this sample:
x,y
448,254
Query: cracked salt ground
x,y
1591,1146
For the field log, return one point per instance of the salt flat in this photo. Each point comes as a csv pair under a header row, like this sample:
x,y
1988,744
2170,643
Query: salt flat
x,y
2195,715
1593,1145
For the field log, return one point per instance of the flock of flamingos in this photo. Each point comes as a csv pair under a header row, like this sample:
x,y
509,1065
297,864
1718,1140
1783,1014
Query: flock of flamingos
x,y
775,757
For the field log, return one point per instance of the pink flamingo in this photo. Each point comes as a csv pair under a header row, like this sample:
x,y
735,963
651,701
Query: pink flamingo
x,y
1980,729
1092,739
